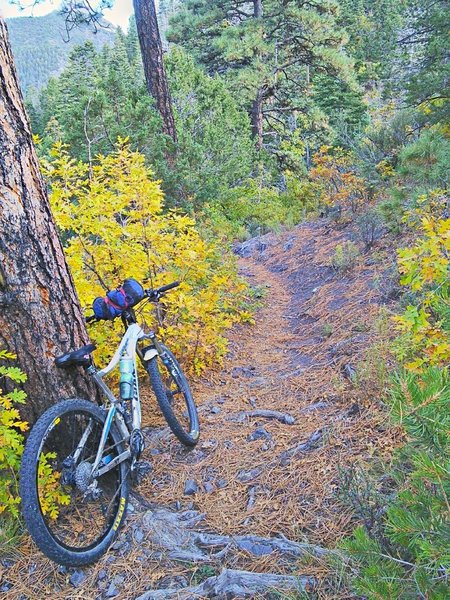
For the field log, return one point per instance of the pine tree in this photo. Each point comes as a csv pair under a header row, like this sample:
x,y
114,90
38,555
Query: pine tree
x,y
427,73
268,54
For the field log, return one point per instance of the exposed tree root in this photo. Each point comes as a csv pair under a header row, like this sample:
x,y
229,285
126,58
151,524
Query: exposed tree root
x,y
234,584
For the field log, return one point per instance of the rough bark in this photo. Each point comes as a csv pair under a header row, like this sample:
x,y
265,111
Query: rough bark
x,y
40,316
152,57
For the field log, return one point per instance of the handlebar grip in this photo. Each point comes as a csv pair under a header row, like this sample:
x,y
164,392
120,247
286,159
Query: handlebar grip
x,y
166,288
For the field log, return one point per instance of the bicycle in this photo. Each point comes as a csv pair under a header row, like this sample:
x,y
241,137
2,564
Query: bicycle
x,y
79,457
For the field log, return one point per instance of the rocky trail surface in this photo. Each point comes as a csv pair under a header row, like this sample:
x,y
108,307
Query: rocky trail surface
x,y
254,509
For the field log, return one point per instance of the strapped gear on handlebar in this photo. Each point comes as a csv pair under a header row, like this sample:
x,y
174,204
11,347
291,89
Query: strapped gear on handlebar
x,y
118,300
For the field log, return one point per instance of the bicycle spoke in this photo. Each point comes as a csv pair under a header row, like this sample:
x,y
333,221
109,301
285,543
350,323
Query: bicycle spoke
x,y
80,512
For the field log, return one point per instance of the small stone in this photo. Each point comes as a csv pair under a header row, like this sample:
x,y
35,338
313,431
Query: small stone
x,y
246,476
77,578
110,559
101,575
173,582
228,444
139,535
220,400
215,410
288,245
6,587
130,508
125,548
190,487
111,591
155,451
279,268
208,487
118,580
354,410
258,382
243,371
257,549
349,372
221,483
259,434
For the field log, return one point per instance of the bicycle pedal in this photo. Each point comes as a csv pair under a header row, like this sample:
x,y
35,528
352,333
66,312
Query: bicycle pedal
x,y
140,471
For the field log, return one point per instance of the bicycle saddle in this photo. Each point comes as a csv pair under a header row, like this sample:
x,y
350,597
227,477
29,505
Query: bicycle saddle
x,y
80,357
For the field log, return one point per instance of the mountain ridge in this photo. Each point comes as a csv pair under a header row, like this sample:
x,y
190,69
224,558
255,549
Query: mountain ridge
x,y
40,48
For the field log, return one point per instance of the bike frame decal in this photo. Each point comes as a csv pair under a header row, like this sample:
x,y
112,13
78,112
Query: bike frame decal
x,y
119,514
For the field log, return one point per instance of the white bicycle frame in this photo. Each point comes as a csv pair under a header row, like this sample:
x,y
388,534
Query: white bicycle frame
x,y
126,349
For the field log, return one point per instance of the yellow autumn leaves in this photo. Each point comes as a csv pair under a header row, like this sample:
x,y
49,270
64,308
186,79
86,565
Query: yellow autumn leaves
x,y
111,219
424,267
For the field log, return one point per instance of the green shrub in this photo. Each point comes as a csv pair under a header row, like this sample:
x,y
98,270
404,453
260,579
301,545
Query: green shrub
x,y
393,210
410,559
426,161
370,227
345,257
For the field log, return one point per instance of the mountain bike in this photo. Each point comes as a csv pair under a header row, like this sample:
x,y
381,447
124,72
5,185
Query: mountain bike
x,y
81,458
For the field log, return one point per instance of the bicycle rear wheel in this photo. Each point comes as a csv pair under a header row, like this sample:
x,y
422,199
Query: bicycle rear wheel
x,y
174,397
72,518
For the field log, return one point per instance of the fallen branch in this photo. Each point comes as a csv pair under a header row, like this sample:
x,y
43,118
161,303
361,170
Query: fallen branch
x,y
232,583
284,458
311,443
285,418
257,545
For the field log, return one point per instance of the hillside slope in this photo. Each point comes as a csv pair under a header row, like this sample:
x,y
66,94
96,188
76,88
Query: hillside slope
x,y
272,475
41,46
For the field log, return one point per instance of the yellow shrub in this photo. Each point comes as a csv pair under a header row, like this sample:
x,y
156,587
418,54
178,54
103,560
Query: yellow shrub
x,y
11,438
112,222
424,267
334,171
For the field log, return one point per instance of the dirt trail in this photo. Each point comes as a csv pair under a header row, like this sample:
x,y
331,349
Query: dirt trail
x,y
313,326
252,474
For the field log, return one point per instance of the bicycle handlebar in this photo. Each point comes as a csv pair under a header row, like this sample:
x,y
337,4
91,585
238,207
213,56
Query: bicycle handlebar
x,y
163,289
153,295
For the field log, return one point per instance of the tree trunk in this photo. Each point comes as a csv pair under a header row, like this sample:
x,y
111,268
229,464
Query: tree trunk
x,y
256,113
40,316
257,119
257,9
152,57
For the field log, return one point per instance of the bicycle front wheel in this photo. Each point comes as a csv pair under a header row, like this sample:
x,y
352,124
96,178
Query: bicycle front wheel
x,y
72,517
174,396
